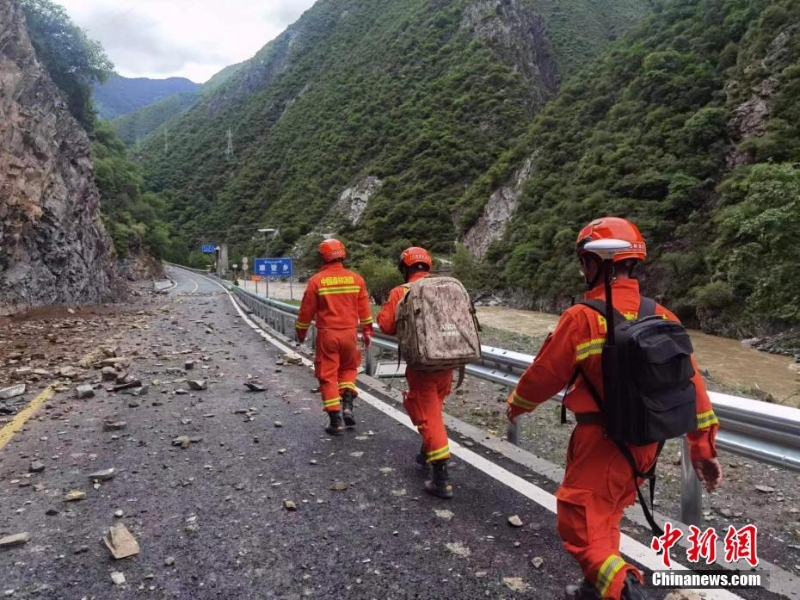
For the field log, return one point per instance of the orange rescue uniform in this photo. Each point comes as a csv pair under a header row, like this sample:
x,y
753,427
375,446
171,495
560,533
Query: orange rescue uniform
x,y
598,483
427,390
338,298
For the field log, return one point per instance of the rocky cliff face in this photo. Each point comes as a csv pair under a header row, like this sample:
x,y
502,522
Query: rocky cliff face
x,y
519,34
491,225
53,248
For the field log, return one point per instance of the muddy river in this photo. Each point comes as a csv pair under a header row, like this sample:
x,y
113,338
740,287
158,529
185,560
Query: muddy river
x,y
728,361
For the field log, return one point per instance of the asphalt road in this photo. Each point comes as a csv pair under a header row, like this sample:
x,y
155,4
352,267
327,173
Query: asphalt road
x,y
217,508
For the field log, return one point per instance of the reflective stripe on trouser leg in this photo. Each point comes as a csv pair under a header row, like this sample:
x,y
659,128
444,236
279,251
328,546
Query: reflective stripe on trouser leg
x,y
424,402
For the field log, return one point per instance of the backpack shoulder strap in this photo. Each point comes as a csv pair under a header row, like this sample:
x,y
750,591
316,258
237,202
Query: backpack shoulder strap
x,y
647,308
600,307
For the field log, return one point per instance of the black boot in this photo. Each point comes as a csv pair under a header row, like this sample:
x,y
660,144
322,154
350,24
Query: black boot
x,y
347,408
584,591
440,484
421,459
633,589
335,427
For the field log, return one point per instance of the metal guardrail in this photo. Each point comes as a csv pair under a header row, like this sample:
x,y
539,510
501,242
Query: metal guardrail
x,y
757,430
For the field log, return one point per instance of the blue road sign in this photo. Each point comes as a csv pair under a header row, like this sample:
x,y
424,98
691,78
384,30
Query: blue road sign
x,y
273,267
209,248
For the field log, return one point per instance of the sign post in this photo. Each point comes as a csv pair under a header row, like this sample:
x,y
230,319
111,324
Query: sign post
x,y
274,267
209,248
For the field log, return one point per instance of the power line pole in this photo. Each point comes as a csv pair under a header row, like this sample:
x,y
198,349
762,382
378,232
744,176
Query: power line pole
x,y
166,141
229,149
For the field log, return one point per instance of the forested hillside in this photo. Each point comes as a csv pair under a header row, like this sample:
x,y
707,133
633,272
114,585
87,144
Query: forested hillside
x,y
409,101
137,125
122,95
691,126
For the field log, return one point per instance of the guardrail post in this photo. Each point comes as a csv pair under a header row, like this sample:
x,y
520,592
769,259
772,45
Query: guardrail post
x,y
370,363
691,489
512,433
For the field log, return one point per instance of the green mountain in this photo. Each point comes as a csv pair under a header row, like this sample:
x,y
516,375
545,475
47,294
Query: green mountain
x,y
137,125
122,95
691,126
402,104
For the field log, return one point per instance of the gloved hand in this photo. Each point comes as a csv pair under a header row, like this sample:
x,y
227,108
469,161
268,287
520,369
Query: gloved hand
x,y
709,471
301,334
512,412
366,335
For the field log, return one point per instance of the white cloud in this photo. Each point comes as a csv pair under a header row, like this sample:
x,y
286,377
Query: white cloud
x,y
186,38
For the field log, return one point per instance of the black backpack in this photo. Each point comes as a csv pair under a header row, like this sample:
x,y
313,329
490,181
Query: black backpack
x,y
649,396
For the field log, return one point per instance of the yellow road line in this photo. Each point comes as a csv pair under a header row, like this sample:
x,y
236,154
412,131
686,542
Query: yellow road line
x,y
18,422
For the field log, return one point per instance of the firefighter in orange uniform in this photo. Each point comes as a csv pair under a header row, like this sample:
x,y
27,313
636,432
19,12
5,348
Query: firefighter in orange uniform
x,y
339,300
598,483
427,391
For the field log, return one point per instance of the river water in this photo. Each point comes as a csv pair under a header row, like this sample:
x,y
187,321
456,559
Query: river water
x,y
728,361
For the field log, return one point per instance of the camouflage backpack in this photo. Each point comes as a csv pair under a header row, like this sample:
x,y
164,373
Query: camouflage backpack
x,y
437,328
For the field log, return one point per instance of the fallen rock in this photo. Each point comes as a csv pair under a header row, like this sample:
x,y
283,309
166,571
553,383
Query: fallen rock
x,y
182,441
197,385
37,466
683,595
169,561
765,489
114,361
74,496
188,365
447,515
69,372
340,486
289,505
114,425
117,577
254,387
537,561
12,392
515,521
293,359
105,475
278,424
84,391
17,539
129,385
120,542
109,374
516,584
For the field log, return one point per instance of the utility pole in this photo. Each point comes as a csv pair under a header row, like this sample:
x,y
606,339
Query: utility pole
x,y
229,149
166,141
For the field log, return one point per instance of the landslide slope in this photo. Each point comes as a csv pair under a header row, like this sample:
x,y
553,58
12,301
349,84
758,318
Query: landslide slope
x,y
691,126
410,100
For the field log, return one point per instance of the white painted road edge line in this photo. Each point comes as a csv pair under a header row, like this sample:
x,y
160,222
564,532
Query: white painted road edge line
x,y
629,546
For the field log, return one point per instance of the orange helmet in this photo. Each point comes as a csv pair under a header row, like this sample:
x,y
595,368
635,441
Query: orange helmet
x,y
331,250
614,228
415,256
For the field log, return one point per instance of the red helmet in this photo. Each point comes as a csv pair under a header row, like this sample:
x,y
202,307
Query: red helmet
x,y
414,256
614,228
331,250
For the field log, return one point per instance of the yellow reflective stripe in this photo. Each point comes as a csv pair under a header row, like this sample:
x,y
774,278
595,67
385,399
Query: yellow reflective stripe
x,y
344,289
299,325
706,420
438,454
590,348
367,321
347,385
608,572
333,402
518,400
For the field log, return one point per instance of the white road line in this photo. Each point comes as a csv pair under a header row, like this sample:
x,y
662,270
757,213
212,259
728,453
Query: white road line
x,y
629,546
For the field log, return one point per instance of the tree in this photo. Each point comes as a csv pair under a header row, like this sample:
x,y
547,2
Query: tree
x,y
73,60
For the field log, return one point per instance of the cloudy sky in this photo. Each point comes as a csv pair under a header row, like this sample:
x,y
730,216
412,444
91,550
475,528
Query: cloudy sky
x,y
187,38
